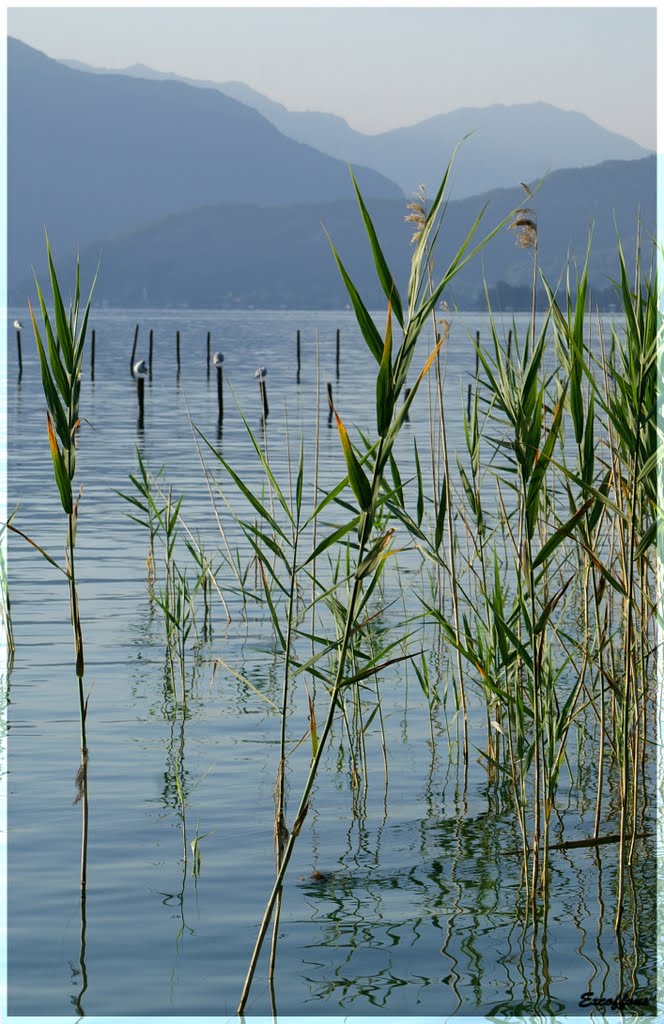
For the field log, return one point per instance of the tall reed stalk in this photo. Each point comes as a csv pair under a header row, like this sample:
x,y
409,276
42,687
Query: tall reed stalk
x,y
443,507
367,477
557,608
61,359
280,829
632,410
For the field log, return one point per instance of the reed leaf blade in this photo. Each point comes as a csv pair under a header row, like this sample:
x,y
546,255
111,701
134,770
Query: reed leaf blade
x,y
385,277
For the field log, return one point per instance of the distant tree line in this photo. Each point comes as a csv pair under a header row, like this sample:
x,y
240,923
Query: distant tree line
x,y
519,298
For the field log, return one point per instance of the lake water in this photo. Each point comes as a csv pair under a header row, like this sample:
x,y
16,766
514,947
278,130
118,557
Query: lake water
x,y
420,909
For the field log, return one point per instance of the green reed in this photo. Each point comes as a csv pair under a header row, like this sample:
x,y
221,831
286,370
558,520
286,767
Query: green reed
x,y
545,545
555,585
617,537
632,414
61,358
174,589
367,517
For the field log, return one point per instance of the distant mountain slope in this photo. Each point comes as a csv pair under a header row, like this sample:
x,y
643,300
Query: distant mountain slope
x,y
92,155
327,132
510,143
279,257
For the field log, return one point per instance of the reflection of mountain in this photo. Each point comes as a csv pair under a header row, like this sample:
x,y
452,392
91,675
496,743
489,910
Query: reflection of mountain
x,y
91,156
511,143
273,257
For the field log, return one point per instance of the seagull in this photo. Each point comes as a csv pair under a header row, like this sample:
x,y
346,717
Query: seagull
x,y
18,325
217,359
140,369
261,373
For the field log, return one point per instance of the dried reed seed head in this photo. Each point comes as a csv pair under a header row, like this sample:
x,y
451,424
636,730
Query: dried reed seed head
x,y
524,227
444,330
418,213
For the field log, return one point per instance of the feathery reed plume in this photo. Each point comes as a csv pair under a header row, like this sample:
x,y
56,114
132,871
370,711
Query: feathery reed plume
x,y
418,214
524,227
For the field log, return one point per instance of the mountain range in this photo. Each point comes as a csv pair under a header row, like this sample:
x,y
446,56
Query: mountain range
x,y
277,256
511,143
194,196
91,156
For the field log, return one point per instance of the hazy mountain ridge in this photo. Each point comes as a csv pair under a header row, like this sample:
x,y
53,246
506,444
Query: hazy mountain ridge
x,y
141,150
238,256
509,143
194,198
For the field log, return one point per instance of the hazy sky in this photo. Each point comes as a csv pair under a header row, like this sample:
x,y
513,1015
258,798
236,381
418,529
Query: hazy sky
x,y
381,67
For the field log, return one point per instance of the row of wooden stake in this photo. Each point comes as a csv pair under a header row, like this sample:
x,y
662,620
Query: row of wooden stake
x,y
139,369
19,327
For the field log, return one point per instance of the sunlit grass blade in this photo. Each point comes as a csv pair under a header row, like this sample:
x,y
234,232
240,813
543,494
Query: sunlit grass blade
x,y
61,474
367,326
357,478
332,538
53,401
273,611
560,534
384,383
387,282
61,322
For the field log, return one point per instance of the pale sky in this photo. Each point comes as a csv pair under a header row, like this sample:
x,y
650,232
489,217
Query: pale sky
x,y
381,67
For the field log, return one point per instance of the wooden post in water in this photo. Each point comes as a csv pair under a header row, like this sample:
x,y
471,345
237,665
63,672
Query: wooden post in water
x,y
298,357
138,372
406,392
140,391
330,404
218,361
208,355
177,350
338,346
261,374
133,351
150,353
470,392
19,327
509,344
92,357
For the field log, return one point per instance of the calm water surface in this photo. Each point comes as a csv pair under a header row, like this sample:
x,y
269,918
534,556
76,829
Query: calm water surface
x,y
418,909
